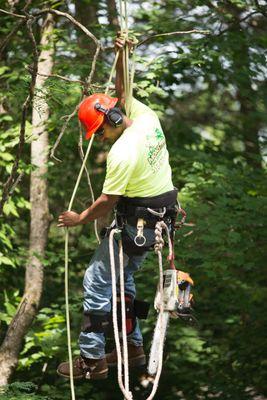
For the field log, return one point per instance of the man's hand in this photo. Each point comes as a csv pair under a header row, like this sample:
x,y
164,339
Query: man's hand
x,y
68,218
119,42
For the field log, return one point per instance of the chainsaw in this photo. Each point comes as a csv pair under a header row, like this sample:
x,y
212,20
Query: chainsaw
x,y
176,302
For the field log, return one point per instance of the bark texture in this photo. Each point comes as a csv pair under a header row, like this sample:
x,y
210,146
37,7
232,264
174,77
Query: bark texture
x,y
10,348
113,14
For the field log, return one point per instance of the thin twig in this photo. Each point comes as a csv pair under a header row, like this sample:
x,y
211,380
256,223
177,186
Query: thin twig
x,y
173,33
70,18
12,177
93,67
85,84
237,22
13,14
261,8
82,83
9,36
57,76
59,13
64,127
16,27
17,181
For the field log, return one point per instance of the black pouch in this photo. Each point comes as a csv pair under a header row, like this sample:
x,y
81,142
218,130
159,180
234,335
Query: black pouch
x,y
130,248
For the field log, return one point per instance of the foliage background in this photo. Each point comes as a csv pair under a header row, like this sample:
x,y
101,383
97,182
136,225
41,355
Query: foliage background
x,y
210,93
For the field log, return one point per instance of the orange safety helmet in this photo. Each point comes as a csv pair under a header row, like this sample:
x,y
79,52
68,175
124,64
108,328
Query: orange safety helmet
x,y
90,117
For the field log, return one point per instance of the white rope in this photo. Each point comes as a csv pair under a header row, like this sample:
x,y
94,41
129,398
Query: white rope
x,y
124,388
158,250
123,318
67,270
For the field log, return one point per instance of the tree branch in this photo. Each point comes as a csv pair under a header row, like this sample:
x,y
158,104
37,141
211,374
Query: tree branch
x,y
261,8
7,187
13,14
64,127
173,33
57,76
11,33
85,84
93,67
235,22
59,13
70,18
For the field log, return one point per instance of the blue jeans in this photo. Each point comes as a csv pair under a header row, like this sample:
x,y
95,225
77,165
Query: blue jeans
x,y
98,290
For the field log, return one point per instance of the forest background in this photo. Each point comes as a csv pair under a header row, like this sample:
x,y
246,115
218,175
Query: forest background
x,y
210,93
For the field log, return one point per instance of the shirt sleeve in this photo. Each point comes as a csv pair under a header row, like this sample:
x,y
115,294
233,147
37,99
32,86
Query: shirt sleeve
x,y
138,108
119,171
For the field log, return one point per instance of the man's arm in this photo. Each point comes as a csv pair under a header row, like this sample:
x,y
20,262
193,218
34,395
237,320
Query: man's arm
x,y
99,208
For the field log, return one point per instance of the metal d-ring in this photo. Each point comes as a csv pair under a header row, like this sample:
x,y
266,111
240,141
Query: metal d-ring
x,y
140,237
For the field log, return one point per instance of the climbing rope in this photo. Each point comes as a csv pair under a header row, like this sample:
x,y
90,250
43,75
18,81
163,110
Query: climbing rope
x,y
67,269
159,243
124,387
67,241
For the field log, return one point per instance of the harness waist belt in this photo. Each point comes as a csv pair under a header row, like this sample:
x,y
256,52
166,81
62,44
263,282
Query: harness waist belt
x,y
163,200
143,212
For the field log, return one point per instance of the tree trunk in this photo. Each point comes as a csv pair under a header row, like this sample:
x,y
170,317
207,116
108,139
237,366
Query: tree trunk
x,y
250,123
113,14
9,351
87,15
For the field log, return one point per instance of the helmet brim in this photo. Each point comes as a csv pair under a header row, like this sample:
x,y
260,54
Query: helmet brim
x,y
100,119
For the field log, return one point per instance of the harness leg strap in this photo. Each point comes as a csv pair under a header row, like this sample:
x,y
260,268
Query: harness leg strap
x,y
103,323
96,323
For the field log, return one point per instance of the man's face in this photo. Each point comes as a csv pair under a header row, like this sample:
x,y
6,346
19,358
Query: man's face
x,y
108,133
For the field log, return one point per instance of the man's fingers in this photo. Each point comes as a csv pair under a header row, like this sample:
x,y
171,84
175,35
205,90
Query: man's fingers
x,y
119,44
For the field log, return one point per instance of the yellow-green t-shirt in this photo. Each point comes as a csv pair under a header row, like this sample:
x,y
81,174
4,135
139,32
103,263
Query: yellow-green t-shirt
x,y
138,162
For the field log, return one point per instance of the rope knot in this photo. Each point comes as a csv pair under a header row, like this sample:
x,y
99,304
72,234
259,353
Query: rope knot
x,y
159,242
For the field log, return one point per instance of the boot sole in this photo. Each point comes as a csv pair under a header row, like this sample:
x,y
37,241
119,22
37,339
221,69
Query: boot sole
x,y
94,376
133,362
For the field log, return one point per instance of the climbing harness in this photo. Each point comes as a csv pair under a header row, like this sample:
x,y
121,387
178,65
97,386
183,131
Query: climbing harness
x,y
173,298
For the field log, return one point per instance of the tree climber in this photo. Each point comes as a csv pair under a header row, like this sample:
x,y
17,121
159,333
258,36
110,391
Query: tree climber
x,y
138,179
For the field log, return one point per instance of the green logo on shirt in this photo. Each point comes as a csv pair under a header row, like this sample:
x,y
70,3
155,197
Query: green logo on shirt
x,y
159,134
156,148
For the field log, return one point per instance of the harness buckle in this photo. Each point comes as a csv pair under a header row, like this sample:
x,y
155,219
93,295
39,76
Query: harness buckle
x,y
140,239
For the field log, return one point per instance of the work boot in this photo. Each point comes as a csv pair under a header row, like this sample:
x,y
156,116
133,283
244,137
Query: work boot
x,y
136,356
88,368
